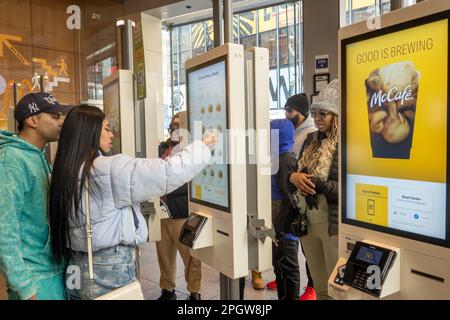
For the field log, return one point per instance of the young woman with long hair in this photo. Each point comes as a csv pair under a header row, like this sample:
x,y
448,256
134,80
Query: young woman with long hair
x,y
317,183
116,185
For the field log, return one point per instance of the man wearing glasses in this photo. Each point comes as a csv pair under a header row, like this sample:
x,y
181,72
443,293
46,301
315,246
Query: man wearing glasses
x,y
297,111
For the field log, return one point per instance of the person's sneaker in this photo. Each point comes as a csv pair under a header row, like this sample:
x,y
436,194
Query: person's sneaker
x,y
195,296
167,295
272,285
310,294
257,281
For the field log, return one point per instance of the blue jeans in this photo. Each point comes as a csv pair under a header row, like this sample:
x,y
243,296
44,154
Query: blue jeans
x,y
113,268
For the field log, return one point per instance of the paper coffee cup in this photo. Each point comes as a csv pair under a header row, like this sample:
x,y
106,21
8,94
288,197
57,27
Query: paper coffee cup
x,y
392,92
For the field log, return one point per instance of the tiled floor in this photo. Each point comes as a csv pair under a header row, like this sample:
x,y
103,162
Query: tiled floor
x,y
210,279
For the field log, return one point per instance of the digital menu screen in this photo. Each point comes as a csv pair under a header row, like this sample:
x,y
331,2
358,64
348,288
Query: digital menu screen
x,y
207,110
394,133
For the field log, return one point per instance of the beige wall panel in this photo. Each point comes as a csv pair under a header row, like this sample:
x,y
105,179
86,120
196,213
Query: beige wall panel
x,y
15,19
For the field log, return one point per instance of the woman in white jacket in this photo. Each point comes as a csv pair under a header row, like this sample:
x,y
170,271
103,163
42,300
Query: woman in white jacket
x,y
117,185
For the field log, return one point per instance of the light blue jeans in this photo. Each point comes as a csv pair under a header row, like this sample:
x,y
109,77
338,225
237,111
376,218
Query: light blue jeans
x,y
113,268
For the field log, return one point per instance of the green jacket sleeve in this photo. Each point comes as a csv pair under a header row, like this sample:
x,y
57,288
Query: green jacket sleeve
x,y
12,265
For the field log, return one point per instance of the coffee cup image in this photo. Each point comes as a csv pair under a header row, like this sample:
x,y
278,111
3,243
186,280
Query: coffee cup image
x,y
392,92
218,107
202,110
210,108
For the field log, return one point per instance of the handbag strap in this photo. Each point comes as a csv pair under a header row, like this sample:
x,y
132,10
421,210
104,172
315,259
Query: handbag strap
x,y
88,231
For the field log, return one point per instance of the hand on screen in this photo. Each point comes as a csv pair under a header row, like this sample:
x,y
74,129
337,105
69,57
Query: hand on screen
x,y
210,139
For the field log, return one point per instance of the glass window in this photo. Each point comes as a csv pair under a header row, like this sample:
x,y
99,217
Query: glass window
x,y
360,10
248,28
277,28
198,37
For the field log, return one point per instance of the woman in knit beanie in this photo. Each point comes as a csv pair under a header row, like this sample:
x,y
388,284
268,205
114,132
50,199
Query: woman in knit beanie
x,y
317,183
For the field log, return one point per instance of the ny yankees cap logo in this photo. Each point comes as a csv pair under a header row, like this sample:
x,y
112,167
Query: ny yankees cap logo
x,y
33,107
51,99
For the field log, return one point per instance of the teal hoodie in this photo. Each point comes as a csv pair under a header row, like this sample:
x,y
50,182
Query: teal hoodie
x,y
25,247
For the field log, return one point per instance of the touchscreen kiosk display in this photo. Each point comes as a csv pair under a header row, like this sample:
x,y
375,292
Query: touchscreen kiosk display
x,y
207,110
395,111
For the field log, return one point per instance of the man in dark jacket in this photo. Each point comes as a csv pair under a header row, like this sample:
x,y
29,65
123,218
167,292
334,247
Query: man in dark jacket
x,y
285,252
176,204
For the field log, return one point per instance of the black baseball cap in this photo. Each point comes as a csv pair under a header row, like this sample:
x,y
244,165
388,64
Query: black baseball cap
x,y
38,102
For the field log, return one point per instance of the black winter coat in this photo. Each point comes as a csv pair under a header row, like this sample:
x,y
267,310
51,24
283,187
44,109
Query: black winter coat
x,y
331,191
177,200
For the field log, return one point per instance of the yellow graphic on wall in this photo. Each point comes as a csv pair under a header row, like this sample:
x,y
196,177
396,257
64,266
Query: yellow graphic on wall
x,y
372,204
51,77
62,68
396,104
4,40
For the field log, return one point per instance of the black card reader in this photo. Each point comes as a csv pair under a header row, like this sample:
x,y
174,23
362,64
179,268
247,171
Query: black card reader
x,y
368,265
191,229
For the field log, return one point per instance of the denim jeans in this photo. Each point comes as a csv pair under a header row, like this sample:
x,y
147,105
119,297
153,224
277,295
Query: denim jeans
x,y
113,268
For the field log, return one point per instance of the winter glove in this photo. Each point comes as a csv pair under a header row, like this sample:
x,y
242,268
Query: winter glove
x,y
312,202
319,183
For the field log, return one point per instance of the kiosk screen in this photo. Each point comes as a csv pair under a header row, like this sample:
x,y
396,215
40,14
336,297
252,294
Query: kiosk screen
x,y
207,110
395,118
111,107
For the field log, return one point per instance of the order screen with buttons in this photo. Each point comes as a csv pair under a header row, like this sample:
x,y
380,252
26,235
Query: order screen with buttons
x,y
207,110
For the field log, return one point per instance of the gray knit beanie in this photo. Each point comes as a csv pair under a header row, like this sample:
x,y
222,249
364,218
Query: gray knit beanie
x,y
328,98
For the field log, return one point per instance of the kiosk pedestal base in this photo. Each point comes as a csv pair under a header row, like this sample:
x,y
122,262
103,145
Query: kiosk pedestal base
x,y
229,288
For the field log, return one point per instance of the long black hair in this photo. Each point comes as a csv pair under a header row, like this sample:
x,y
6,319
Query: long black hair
x,y
78,145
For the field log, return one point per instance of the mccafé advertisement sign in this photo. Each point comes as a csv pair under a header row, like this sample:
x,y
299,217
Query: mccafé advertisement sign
x,y
394,135
396,104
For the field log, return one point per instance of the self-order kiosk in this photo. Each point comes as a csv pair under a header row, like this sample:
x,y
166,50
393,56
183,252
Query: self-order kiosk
x,y
229,223
394,222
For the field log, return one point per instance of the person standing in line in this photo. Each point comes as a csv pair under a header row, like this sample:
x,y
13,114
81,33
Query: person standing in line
x,y
26,258
176,203
317,183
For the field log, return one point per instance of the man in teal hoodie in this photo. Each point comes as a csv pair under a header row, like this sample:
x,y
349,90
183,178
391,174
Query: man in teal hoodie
x,y
26,259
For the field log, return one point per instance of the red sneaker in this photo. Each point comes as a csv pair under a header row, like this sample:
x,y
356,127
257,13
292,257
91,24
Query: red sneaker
x,y
272,285
310,294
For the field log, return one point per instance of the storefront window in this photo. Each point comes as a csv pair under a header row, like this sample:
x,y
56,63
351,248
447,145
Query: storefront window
x,y
360,10
276,28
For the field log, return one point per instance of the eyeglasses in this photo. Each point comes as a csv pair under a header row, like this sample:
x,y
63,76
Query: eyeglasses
x,y
320,114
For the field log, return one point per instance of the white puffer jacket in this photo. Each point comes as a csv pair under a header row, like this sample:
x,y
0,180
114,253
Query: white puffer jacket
x,y
125,182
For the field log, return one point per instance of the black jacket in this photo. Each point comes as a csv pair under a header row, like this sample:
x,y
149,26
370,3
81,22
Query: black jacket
x,y
283,219
177,200
331,187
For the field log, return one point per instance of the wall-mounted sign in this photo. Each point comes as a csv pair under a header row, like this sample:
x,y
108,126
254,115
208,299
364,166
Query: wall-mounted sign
x,y
321,81
322,64
139,62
